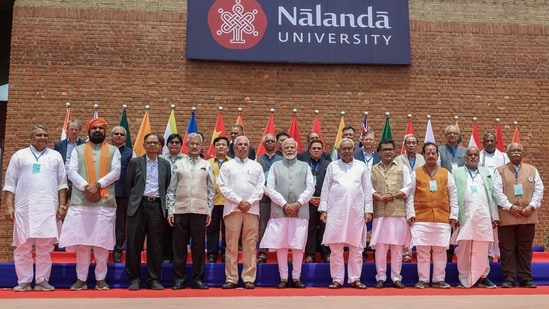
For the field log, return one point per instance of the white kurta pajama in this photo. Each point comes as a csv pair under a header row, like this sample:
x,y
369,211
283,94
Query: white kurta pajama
x,y
90,227
346,197
475,235
35,191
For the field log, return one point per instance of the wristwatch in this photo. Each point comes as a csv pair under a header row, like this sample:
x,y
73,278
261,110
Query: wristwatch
x,y
98,185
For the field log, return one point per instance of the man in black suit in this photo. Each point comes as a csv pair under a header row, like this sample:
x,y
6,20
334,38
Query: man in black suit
x,y
147,181
306,155
236,131
318,167
66,146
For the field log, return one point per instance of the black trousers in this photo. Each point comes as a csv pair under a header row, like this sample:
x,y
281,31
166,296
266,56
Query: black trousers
x,y
189,228
120,225
314,235
515,246
149,222
216,226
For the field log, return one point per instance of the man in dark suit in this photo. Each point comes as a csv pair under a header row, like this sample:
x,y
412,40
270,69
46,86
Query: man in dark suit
x,y
367,153
318,166
236,131
306,155
66,146
147,181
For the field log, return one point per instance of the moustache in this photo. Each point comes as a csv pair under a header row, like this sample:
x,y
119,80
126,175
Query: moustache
x,y
517,155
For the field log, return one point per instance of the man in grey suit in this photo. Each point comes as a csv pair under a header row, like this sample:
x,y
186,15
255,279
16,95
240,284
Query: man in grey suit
x,y
147,181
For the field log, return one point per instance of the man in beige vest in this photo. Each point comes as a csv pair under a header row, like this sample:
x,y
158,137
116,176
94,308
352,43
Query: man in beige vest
x,y
519,192
189,200
391,183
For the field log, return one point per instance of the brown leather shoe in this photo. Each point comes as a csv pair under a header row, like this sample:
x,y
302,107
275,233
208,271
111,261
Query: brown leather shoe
x,y
282,284
335,285
298,284
358,285
229,285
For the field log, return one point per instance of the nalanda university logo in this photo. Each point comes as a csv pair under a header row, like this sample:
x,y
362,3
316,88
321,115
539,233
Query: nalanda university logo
x,y
237,24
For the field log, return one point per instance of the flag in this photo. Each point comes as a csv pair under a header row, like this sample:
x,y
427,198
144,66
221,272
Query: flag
x,y
339,135
409,131
171,128
239,118
67,118
516,134
269,129
460,139
475,139
294,133
364,128
499,137
429,135
219,130
144,129
386,134
191,128
124,123
316,127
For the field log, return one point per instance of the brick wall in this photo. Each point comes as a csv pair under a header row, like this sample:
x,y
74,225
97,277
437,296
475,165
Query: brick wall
x,y
484,60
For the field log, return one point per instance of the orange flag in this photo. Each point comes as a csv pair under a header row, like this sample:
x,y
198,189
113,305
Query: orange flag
x,y
239,118
294,132
144,129
516,134
269,129
67,118
499,137
219,130
409,131
316,126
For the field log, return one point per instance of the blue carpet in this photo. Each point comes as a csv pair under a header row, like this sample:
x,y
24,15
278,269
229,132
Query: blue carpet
x,y
314,274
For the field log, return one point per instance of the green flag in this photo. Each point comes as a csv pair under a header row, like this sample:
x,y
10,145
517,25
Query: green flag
x,y
124,123
386,134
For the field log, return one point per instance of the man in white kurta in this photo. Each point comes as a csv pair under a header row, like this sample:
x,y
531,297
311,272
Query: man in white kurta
x,y
477,216
346,207
290,186
35,185
390,231
90,221
242,182
492,158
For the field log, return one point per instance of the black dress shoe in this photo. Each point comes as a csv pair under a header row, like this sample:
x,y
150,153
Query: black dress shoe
x,y
249,285
212,258
155,285
199,285
179,285
134,286
508,284
528,283
298,284
282,284
262,258
117,256
379,284
398,284
229,285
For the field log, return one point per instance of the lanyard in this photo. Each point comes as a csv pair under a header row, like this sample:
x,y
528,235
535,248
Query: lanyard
x,y
412,162
427,171
472,175
314,166
41,154
269,160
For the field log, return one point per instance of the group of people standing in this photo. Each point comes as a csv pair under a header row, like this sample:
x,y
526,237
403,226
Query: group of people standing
x,y
280,201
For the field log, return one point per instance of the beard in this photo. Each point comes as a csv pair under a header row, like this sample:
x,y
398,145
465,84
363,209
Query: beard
x,y
97,138
289,157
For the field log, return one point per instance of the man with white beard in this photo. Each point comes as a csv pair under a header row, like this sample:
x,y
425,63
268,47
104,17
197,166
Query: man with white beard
x,y
290,186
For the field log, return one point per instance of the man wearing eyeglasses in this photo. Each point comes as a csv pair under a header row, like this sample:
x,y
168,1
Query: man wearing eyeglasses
x,y
147,182
391,183
118,139
266,161
519,192
452,156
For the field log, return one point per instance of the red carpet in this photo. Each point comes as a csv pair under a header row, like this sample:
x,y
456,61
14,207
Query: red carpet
x,y
271,292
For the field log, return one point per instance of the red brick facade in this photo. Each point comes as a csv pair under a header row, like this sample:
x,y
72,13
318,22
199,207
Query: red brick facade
x,y
484,60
